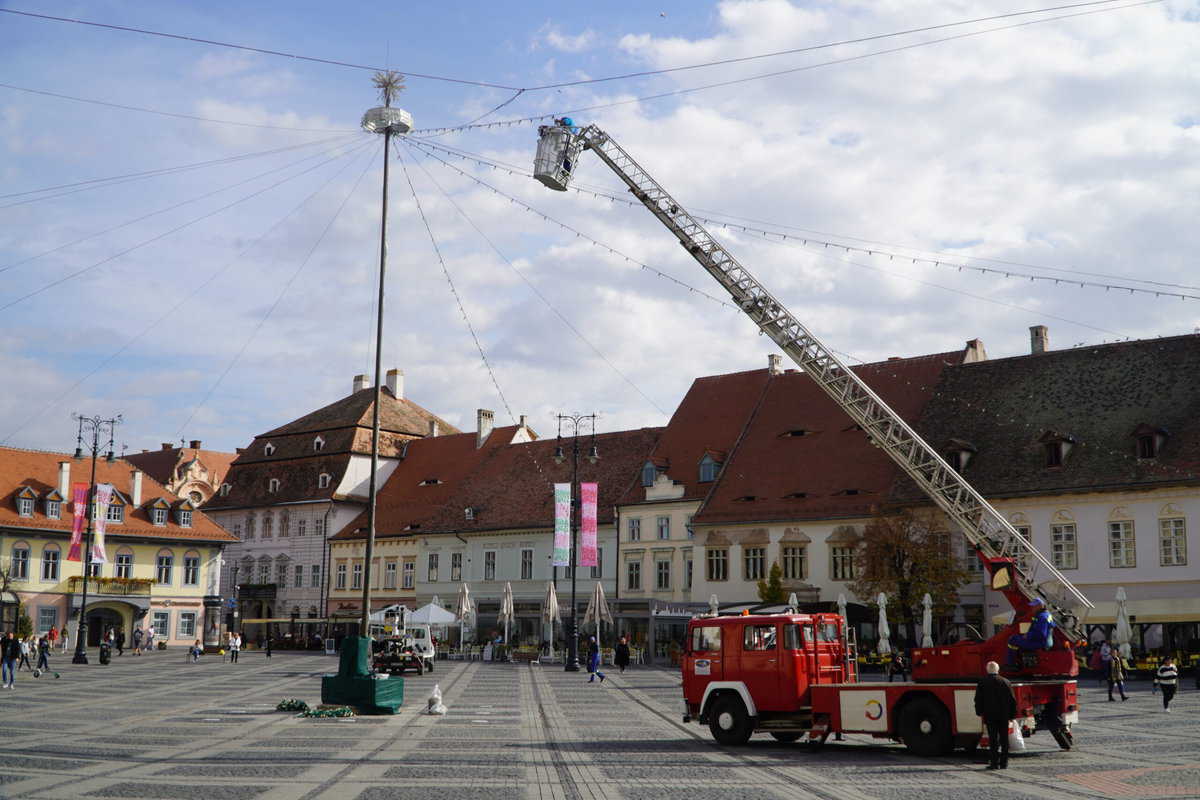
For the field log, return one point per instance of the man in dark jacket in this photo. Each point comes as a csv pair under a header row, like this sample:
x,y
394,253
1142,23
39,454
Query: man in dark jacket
x,y
996,704
10,650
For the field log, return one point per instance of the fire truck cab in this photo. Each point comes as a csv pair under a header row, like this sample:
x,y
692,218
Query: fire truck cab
x,y
795,675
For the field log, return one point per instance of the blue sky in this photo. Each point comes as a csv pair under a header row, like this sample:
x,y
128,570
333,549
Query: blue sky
x,y
1064,145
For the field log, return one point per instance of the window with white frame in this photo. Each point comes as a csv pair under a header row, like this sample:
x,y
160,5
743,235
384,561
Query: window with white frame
x,y
281,574
273,485
489,565
94,568
116,513
1063,552
633,576
1122,547
527,564
598,570
25,506
1020,552
356,576
264,571
185,626
268,449
268,528
163,566
456,567
185,518
54,509
47,618
1172,542
708,468
795,562
662,574
50,563
315,576
301,526
160,623
298,577
687,573
664,527
340,580
225,487
635,529
158,516
318,444
124,565
841,562
754,563
319,526
251,524
191,570
389,575
409,575
717,563
323,480
19,566
285,524
431,568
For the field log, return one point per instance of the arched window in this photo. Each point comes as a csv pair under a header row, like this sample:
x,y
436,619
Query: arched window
x,y
323,480
164,567
191,568
649,473
268,525
251,526
285,523
268,449
318,444
709,467
50,559
273,485
18,569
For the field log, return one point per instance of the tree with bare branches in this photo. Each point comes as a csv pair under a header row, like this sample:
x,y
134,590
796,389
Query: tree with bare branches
x,y
904,556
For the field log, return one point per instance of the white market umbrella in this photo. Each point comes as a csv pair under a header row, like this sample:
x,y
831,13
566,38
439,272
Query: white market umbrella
x,y
793,603
431,614
714,605
884,647
551,612
842,611
927,621
507,610
1124,633
597,610
465,607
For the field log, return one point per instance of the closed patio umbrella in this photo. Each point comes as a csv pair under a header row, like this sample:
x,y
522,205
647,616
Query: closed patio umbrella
x,y
550,612
507,610
885,646
597,610
1124,633
465,607
927,621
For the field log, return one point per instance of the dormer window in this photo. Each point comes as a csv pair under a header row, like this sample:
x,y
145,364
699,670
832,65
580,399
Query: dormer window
x,y
25,506
116,511
54,509
1149,440
185,517
469,513
709,467
225,487
649,473
158,516
323,480
959,454
1055,448
795,433
318,444
273,485
430,482
269,449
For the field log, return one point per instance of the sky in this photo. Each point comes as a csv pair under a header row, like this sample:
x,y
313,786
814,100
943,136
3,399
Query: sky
x,y
219,301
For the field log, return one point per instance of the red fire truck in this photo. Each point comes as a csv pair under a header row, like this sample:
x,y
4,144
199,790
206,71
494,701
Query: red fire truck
x,y
794,675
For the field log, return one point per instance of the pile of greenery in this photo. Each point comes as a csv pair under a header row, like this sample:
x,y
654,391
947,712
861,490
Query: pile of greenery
x,y
339,711
292,704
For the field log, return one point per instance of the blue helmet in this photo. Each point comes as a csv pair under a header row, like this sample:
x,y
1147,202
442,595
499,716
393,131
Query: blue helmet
x,y
568,122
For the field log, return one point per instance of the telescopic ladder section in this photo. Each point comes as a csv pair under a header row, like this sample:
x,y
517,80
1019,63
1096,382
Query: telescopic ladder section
x,y
991,534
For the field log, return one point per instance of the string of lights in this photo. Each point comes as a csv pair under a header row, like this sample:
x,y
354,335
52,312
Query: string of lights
x,y
185,300
116,180
287,285
166,209
813,241
145,242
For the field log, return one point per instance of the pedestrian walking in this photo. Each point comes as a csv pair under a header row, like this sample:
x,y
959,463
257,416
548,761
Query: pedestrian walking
x,y
235,646
148,640
621,656
1167,679
65,639
53,634
1106,652
997,705
10,650
594,660
43,662
121,642
26,648
1116,674
137,641
267,644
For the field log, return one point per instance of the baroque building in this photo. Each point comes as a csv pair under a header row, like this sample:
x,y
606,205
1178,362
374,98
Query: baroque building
x,y
190,472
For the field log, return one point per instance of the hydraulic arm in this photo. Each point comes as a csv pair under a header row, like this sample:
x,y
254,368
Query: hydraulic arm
x,y
994,538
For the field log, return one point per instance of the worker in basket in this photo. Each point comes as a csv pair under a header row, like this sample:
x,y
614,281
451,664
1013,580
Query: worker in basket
x,y
1040,635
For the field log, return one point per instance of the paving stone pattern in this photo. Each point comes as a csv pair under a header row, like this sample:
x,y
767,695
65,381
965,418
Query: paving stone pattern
x,y
158,727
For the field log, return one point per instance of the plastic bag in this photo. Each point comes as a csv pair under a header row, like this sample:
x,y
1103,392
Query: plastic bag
x,y
1016,742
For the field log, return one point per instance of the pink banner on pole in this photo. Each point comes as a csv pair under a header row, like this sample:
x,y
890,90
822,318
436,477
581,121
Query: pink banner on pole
x,y
104,493
562,525
79,493
587,495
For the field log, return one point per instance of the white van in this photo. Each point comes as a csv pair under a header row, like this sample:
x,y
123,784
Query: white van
x,y
422,644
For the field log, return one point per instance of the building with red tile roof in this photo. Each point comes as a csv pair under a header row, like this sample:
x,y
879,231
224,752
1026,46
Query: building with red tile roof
x,y
163,556
191,472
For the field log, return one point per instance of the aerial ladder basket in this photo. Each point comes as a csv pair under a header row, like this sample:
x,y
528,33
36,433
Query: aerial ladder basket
x,y
557,154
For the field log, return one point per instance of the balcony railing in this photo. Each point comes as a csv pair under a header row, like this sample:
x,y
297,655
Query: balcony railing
x,y
118,586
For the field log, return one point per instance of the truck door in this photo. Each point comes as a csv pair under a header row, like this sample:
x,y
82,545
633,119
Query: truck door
x,y
704,660
760,664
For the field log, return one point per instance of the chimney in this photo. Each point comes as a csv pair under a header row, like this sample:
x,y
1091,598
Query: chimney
x,y
974,352
1039,339
64,479
524,421
483,426
433,428
360,383
774,364
194,444
136,495
168,446
395,383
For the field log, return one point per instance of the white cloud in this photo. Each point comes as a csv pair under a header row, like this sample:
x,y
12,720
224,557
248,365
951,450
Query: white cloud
x,y
569,43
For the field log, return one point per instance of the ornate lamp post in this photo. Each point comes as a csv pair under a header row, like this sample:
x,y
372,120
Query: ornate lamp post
x,y
575,421
96,426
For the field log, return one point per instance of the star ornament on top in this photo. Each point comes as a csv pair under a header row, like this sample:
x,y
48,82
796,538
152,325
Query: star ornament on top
x,y
389,84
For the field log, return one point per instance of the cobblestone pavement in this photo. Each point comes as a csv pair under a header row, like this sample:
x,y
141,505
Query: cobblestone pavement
x,y
159,727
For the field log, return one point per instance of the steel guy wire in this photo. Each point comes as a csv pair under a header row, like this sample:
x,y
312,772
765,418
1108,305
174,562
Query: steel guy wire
x,y
166,209
282,292
187,298
167,233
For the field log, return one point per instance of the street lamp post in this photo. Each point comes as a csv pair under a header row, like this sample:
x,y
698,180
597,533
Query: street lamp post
x,y
575,421
96,426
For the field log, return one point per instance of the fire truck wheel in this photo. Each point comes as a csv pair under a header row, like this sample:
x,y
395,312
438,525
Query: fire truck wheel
x,y
790,736
925,727
729,722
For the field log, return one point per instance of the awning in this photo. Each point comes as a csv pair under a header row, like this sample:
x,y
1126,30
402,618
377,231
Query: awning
x,y
1142,612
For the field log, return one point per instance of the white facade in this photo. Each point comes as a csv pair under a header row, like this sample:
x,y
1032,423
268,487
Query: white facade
x,y
657,545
